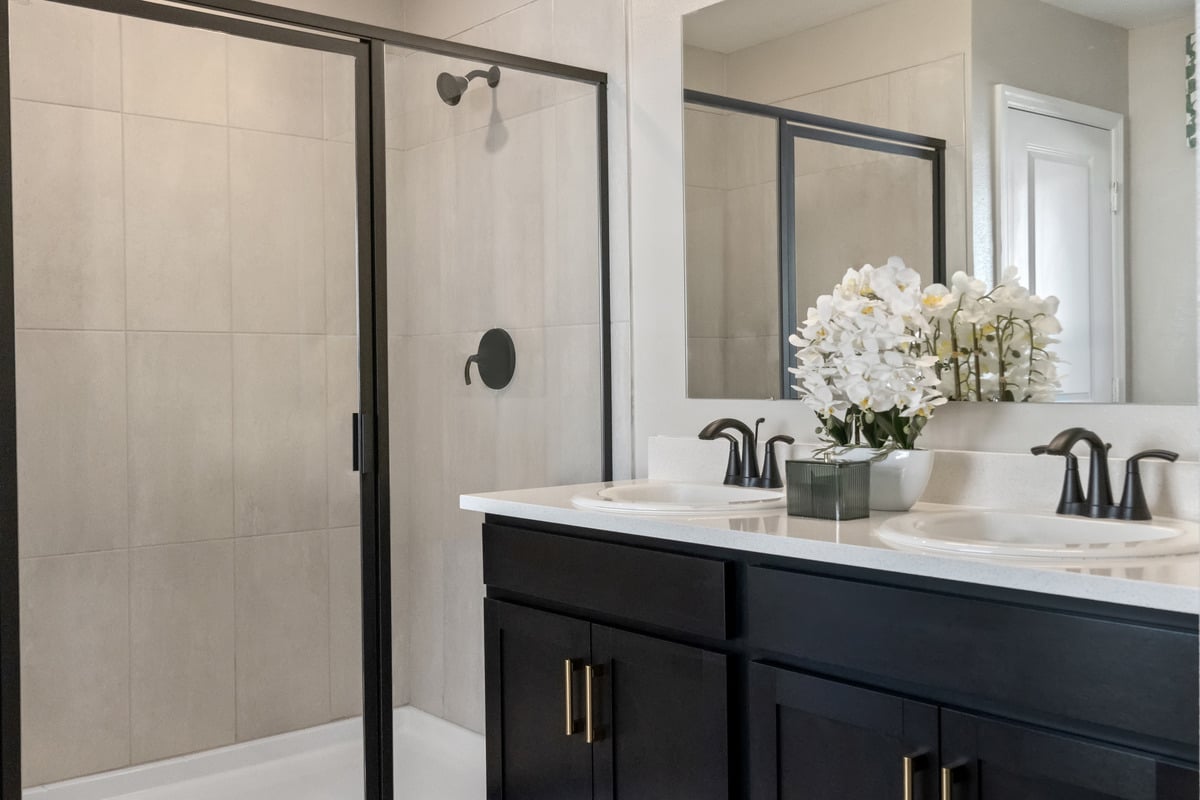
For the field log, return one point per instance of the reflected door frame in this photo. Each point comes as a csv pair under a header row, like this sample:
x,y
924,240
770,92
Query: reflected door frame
x,y
1009,214
370,443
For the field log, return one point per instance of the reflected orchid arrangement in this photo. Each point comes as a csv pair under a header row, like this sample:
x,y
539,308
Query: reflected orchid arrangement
x,y
878,355
993,344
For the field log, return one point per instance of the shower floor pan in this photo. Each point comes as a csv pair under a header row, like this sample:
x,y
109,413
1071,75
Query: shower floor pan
x,y
435,760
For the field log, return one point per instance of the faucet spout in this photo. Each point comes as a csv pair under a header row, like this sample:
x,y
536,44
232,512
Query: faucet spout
x,y
749,472
1099,496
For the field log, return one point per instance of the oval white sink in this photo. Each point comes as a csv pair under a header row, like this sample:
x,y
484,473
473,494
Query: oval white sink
x,y
690,499
1012,534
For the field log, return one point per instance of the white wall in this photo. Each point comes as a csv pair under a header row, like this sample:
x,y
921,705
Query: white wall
x,y
657,236
1162,212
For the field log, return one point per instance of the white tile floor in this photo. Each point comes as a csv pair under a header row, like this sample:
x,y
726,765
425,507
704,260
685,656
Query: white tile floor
x,y
434,761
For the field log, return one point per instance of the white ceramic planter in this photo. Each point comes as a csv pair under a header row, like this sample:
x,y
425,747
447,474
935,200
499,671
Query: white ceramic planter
x,y
898,481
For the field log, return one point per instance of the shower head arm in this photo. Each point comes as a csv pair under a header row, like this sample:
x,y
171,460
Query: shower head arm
x,y
492,75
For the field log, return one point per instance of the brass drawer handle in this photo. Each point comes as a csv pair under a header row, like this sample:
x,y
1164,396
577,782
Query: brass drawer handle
x,y
912,763
589,674
569,695
948,774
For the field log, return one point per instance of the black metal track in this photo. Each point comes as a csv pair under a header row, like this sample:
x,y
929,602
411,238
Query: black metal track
x,y
366,44
10,609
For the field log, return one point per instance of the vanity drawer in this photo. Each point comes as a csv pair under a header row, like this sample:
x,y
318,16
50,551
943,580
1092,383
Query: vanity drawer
x,y
667,590
1046,666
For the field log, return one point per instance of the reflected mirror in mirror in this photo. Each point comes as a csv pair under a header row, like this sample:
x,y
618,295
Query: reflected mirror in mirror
x,y
1061,138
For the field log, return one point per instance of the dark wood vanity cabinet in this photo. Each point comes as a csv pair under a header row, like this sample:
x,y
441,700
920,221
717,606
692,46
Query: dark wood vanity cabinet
x,y
578,710
705,674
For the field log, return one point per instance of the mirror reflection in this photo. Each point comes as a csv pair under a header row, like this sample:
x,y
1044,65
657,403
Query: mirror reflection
x,y
1065,167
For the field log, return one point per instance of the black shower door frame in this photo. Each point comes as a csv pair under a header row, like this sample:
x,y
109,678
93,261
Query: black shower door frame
x,y
366,44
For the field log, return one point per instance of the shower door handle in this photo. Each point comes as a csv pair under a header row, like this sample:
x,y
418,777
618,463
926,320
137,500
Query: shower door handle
x,y
358,435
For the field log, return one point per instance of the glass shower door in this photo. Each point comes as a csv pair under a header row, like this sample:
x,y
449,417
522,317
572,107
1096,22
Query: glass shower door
x,y
187,344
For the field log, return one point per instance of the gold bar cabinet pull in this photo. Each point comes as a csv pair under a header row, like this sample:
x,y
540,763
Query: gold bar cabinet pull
x,y
589,675
908,777
947,783
569,694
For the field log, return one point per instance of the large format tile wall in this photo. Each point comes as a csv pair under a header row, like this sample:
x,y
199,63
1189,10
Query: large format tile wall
x,y
733,254
186,368
730,162
494,223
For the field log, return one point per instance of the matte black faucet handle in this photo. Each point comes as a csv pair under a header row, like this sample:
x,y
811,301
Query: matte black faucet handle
x,y
1071,499
1133,499
733,467
771,479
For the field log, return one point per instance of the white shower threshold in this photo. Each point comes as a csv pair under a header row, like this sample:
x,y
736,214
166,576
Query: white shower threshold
x,y
435,760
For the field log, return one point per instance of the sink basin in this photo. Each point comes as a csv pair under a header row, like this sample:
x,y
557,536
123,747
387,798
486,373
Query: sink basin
x,y
688,499
1011,534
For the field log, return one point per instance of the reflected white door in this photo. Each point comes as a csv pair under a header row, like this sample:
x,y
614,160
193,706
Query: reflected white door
x,y
1059,183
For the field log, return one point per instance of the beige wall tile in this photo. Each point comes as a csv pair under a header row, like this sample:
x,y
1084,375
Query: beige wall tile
x,y
529,30
421,245
177,225
420,115
500,194
275,87
420,501
279,433
752,259
74,665
339,97
705,146
182,656
345,622
706,263
64,54
752,152
341,240
341,402
571,285
173,71
520,427
282,633
445,19
573,405
462,555
930,99
180,437
706,369
277,233
67,217
71,456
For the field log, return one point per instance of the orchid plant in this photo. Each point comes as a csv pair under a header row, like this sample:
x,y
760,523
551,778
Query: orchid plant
x,y
992,344
864,364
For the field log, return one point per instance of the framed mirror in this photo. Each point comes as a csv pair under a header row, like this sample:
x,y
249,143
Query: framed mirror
x,y
1064,153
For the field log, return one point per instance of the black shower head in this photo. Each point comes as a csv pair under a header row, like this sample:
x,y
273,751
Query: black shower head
x,y
452,87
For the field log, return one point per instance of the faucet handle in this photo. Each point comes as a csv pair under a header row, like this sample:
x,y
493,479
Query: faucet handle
x,y
1133,499
1165,455
771,478
1071,500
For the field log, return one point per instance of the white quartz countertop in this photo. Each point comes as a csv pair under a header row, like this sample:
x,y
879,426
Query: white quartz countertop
x,y
1167,583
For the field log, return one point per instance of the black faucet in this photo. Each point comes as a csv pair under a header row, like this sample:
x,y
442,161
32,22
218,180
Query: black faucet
x,y
1098,503
742,469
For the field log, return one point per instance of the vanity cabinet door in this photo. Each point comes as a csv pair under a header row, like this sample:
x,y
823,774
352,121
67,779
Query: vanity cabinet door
x,y
530,755
816,739
662,719
995,760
